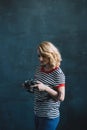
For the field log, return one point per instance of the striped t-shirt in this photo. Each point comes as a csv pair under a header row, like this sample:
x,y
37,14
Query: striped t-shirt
x,y
44,104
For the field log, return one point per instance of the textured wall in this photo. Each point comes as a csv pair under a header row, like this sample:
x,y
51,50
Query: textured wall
x,y
24,24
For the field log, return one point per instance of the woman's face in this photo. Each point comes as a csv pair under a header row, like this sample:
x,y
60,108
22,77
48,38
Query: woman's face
x,y
43,59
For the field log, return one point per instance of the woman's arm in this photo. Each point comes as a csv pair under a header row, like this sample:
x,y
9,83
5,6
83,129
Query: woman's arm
x,y
57,94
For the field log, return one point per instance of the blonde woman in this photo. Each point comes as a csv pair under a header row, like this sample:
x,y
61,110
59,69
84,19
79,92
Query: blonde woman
x,y
50,88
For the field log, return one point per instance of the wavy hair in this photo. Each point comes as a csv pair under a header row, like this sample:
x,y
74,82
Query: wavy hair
x,y
50,51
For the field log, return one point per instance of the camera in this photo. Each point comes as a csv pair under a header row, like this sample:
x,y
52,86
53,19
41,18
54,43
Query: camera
x,y
28,84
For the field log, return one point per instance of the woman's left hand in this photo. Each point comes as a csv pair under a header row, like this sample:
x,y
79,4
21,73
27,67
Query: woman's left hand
x,y
40,86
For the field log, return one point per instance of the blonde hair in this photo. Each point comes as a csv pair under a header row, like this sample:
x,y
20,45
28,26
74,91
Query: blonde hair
x,y
48,50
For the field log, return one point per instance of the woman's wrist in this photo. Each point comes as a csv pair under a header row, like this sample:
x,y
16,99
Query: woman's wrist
x,y
46,88
50,91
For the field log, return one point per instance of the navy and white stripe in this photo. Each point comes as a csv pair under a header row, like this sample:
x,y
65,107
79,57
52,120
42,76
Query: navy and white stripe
x,y
44,104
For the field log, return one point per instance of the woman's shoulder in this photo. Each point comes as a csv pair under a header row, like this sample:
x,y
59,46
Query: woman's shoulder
x,y
59,71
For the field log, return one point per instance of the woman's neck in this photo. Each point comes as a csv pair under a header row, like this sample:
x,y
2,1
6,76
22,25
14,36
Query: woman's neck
x,y
48,67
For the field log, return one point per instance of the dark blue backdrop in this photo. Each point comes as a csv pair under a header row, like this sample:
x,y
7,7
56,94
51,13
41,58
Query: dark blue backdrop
x,y
23,25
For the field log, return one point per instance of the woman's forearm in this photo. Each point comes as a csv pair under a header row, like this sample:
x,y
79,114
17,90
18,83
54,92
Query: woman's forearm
x,y
57,95
53,93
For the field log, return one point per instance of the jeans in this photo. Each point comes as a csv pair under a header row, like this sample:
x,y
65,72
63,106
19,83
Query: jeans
x,y
44,123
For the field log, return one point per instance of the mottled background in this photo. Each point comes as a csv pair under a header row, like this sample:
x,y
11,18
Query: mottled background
x,y
23,25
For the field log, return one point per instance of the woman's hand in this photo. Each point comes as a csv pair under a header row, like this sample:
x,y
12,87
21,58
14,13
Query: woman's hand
x,y
40,86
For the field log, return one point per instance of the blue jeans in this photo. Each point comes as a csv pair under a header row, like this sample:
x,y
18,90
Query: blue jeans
x,y
44,123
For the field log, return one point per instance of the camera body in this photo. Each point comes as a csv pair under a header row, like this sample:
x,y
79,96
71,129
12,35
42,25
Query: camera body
x,y
28,84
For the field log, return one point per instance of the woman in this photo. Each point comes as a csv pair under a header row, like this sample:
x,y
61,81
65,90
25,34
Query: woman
x,y
50,87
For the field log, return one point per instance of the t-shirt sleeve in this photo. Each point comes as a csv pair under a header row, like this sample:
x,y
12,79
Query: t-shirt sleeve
x,y
60,80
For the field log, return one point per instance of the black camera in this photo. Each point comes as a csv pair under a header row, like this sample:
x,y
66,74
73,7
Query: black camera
x,y
28,85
